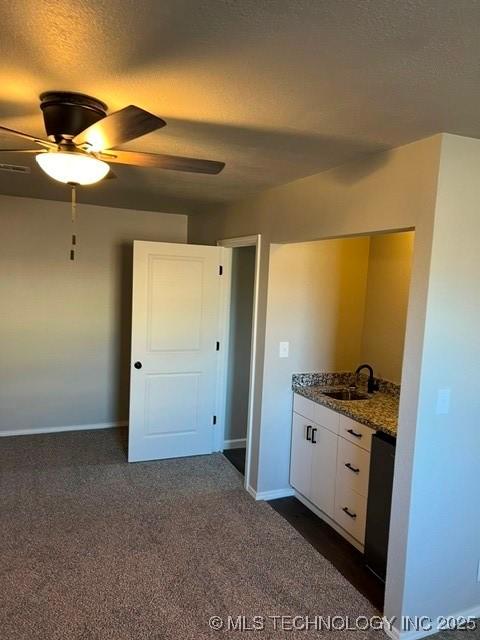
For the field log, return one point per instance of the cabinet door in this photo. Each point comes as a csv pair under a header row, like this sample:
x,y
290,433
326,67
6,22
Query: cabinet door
x,y
301,455
324,466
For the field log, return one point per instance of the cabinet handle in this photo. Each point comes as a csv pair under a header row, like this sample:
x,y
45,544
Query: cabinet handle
x,y
354,469
308,432
314,431
349,513
354,433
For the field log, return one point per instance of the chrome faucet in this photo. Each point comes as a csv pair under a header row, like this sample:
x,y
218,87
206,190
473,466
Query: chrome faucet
x,y
372,384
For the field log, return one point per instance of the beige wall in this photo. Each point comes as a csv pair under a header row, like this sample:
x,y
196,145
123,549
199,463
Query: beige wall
x,y
316,296
395,190
65,326
383,192
389,271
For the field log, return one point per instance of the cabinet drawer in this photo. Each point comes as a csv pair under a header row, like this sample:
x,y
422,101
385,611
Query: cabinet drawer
x,y
353,466
304,407
356,432
327,418
351,511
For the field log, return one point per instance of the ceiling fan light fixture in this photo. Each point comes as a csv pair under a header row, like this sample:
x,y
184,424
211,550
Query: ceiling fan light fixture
x,y
72,168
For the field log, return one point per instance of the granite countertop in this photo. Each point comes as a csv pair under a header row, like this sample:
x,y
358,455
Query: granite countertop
x,y
380,411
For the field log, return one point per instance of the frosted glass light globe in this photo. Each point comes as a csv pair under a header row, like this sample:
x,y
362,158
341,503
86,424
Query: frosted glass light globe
x,y
75,168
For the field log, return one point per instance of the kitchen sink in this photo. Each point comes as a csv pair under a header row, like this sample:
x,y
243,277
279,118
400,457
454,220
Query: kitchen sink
x,y
346,394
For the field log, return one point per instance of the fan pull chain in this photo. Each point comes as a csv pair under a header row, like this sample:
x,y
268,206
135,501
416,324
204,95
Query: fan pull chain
x,y
74,219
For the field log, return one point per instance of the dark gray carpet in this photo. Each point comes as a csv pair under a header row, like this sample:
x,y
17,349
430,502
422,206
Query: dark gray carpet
x,y
95,548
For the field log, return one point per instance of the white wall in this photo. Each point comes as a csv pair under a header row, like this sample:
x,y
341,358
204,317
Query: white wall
x,y
240,338
316,297
65,326
443,552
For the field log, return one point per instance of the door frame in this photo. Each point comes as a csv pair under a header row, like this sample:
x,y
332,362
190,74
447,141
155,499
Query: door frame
x,y
235,243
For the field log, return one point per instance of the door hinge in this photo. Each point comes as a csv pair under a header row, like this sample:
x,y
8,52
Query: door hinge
x,y
214,420
220,270
217,346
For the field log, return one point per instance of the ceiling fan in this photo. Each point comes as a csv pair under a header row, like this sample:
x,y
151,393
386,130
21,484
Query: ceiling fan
x,y
82,140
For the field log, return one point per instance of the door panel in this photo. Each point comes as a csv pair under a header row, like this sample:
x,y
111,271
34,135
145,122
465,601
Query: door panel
x,y
301,455
163,412
324,466
174,332
175,288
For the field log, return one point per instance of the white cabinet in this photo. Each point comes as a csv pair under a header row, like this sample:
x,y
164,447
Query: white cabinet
x,y
329,466
321,415
313,462
353,466
351,511
324,460
301,455
357,433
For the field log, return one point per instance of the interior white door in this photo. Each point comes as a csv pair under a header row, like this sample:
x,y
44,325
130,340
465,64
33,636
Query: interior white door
x,y
175,325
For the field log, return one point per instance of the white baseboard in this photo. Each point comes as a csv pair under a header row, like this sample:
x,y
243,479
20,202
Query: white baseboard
x,y
73,427
395,634
239,443
270,495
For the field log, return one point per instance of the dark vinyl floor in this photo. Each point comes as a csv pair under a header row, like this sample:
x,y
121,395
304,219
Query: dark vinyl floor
x,y
237,458
333,547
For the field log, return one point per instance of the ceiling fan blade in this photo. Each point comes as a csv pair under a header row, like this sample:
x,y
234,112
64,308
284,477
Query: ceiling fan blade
x,y
119,127
43,143
162,161
21,151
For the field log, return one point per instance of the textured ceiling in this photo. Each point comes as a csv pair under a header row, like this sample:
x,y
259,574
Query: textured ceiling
x,y
278,89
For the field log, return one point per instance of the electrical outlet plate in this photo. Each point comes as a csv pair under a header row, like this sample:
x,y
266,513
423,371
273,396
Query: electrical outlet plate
x,y
283,349
443,402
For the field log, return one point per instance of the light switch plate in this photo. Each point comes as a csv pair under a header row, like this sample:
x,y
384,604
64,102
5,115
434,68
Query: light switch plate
x,y
284,349
443,401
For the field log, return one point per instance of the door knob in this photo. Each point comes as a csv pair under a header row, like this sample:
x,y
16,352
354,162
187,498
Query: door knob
x,y
138,365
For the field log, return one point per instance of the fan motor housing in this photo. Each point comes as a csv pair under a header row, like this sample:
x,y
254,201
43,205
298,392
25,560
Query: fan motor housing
x,y
66,113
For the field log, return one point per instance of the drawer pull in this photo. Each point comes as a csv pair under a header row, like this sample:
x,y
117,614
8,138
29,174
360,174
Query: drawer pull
x,y
314,431
349,513
308,432
354,433
354,469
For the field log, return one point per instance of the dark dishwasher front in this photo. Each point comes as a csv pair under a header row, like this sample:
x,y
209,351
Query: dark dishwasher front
x,y
379,503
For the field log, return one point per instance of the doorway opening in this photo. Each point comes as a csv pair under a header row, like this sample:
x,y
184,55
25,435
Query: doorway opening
x,y
239,355
240,300
340,307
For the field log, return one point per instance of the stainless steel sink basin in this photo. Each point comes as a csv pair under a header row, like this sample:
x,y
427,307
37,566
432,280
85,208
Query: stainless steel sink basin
x,y
346,394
